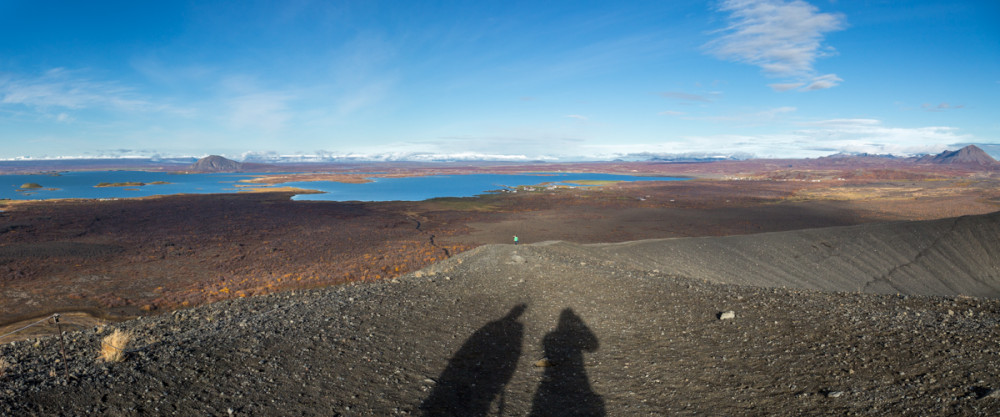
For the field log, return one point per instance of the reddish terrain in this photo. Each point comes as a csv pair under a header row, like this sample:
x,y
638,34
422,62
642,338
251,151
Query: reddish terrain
x,y
117,259
122,256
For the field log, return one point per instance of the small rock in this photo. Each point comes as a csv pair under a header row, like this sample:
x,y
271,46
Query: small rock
x,y
543,363
834,394
984,392
517,259
727,315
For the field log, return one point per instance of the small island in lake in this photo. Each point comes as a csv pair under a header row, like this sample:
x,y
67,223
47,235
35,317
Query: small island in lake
x,y
30,186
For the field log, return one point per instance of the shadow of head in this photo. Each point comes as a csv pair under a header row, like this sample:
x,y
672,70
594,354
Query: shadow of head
x,y
573,334
515,312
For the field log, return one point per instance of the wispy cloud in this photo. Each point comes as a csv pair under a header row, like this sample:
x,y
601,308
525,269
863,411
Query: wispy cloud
x,y
533,142
872,136
811,139
689,97
576,116
785,86
941,107
60,88
364,95
783,38
823,82
267,111
766,115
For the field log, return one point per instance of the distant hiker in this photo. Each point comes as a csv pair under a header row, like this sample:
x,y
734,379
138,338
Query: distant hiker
x,y
515,240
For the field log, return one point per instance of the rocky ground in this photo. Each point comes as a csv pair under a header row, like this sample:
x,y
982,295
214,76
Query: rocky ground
x,y
530,330
113,260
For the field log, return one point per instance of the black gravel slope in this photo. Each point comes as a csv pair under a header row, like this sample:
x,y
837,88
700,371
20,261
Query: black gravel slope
x,y
531,330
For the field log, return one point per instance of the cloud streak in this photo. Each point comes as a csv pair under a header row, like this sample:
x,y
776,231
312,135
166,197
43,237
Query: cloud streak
x,y
65,89
871,136
808,140
783,38
689,97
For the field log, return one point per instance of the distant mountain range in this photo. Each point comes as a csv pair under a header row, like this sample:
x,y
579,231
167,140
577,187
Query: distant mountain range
x,y
970,156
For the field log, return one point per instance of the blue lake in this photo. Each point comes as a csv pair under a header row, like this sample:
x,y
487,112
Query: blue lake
x,y
82,185
423,188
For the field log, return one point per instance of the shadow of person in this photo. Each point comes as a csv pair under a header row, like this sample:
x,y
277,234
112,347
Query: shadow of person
x,y
565,390
479,370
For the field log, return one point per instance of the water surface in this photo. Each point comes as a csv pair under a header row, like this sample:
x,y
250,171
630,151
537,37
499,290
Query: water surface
x,y
423,188
83,185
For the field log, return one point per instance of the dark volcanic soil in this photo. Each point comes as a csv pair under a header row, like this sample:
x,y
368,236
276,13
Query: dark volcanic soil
x,y
124,257
466,336
109,260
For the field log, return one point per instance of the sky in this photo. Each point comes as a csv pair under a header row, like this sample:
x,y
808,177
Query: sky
x,y
508,80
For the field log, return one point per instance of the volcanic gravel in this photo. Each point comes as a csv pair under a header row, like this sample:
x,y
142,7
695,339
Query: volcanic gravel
x,y
529,330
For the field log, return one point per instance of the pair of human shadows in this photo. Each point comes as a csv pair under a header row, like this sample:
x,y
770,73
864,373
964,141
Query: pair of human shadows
x,y
478,372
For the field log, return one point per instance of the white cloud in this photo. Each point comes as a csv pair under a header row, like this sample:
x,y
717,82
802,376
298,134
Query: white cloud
x,y
767,115
869,135
66,89
326,156
672,113
823,82
940,107
775,112
533,142
807,140
783,38
688,97
267,111
785,86
576,116
364,95
843,123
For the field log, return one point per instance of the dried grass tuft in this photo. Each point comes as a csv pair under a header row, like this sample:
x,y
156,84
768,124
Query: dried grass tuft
x,y
113,346
4,366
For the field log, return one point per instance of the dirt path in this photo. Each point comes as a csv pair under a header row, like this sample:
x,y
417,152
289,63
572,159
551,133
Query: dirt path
x,y
42,325
430,236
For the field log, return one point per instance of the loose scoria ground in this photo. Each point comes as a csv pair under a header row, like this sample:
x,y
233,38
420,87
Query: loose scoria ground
x,y
467,335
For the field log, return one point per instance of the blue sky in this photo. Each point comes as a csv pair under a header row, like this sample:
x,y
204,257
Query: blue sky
x,y
503,80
